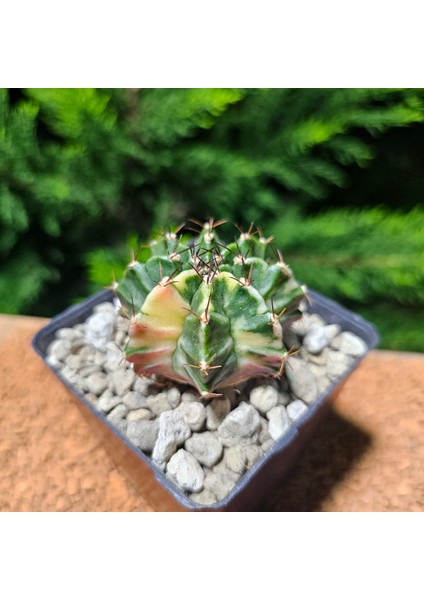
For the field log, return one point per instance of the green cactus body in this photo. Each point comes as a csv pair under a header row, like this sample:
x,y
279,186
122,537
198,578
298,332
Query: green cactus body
x,y
206,314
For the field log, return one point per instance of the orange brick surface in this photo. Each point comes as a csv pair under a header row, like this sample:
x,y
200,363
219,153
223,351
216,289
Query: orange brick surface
x,y
367,456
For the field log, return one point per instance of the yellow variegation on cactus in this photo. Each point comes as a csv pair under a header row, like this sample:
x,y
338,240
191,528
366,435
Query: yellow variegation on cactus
x,y
208,314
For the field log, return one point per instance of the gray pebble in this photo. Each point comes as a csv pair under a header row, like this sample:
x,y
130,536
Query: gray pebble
x,y
263,398
99,329
164,401
205,497
59,350
302,381
189,397
92,398
54,362
97,383
300,327
338,364
264,431
205,447
186,471
235,459
241,426
318,370
331,331
74,361
349,343
320,359
173,431
117,417
71,375
267,445
89,370
143,434
133,400
115,357
193,413
279,421
99,358
220,482
314,319
323,383
240,458
108,401
252,453
87,354
141,385
315,340
119,412
139,415
122,379
67,333
296,409
107,307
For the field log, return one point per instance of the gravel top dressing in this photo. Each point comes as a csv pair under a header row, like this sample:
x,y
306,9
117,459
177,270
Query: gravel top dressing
x,y
204,446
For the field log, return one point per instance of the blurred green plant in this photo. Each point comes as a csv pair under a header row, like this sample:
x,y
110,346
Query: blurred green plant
x,y
82,169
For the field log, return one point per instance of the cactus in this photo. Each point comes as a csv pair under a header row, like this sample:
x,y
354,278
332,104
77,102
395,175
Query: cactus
x,y
208,314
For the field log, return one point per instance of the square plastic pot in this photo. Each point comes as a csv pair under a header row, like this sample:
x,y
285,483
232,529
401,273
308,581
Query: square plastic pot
x,y
255,486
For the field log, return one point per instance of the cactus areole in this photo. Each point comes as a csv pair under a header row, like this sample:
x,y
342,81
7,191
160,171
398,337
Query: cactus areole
x,y
208,314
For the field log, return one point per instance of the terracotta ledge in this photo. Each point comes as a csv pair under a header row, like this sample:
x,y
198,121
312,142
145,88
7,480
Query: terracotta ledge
x,y
367,456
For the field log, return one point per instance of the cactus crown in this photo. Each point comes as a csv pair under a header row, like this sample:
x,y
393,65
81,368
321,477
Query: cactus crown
x,y
209,314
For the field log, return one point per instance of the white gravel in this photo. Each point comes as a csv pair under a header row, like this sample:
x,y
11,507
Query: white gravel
x,y
204,447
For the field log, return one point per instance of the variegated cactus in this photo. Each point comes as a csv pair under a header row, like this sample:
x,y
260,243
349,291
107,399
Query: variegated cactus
x,y
208,314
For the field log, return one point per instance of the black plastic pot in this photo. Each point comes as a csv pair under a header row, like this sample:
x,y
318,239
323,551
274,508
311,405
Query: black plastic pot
x,y
258,483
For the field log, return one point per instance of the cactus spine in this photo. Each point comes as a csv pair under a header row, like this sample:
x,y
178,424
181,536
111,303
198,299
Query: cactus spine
x,y
208,314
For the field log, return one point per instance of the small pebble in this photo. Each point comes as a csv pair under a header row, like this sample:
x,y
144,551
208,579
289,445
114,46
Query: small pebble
x,y
264,398
97,383
279,421
89,370
141,385
349,343
99,329
315,340
173,431
139,415
105,307
193,413
108,401
114,357
338,364
117,417
264,431
220,482
205,447
133,400
186,471
59,350
143,434
241,426
164,401
302,381
122,380
74,361
296,409
205,497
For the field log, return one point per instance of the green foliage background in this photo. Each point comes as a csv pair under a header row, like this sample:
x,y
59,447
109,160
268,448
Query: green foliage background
x,y
335,174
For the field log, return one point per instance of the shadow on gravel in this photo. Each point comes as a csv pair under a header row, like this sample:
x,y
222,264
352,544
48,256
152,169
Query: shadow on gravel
x,y
333,450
